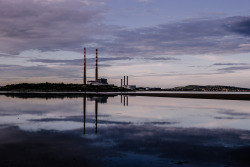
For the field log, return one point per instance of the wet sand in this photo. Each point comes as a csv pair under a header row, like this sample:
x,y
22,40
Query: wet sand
x,y
225,96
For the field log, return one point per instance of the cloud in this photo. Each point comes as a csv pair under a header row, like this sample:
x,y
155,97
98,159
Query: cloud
x,y
240,25
68,25
17,71
190,37
91,61
47,25
235,68
159,58
145,0
229,64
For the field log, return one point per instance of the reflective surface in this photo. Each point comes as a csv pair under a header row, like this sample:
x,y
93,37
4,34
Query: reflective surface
x,y
123,131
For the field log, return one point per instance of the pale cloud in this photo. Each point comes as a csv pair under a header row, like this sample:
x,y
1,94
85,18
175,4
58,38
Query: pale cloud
x,y
47,25
145,0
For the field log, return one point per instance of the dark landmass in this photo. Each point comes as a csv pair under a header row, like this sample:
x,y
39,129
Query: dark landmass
x,y
58,87
61,87
209,88
60,90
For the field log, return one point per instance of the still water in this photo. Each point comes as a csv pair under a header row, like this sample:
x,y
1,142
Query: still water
x,y
123,131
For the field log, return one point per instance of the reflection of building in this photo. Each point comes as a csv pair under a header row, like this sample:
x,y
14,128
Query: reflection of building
x,y
84,114
125,99
97,99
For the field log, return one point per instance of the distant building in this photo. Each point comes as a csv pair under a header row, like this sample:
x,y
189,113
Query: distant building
x,y
127,86
99,82
131,87
99,99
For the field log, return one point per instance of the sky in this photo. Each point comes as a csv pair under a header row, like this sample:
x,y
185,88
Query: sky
x,y
157,43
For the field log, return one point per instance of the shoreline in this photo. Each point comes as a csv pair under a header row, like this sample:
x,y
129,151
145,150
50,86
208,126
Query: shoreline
x,y
198,95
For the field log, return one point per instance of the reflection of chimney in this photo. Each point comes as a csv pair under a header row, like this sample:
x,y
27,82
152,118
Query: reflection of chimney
x,y
96,112
84,76
124,81
127,80
96,65
127,100
84,113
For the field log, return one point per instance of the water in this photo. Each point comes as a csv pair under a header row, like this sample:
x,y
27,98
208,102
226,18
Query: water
x,y
123,131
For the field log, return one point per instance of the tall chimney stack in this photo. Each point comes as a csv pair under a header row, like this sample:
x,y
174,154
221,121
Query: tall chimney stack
x,y
127,80
84,71
124,81
96,65
121,83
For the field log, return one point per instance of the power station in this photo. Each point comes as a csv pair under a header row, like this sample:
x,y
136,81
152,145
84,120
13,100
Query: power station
x,y
102,81
97,81
125,84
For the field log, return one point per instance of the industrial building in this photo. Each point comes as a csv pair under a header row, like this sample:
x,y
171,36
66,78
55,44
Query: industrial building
x,y
96,82
125,84
102,81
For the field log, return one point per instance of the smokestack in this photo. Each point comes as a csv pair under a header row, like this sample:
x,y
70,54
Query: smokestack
x,y
127,80
84,71
121,83
96,65
124,81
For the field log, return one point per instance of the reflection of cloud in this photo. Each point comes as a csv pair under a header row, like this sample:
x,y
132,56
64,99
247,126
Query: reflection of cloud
x,y
198,147
89,119
233,113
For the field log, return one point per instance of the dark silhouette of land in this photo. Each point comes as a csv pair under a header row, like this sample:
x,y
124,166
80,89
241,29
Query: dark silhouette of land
x,y
61,87
60,90
58,87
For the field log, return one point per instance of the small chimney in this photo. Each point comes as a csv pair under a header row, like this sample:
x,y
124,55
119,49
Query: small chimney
x,y
96,65
84,71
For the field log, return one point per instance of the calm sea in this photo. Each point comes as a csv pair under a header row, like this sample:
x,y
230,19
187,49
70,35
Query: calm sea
x,y
123,131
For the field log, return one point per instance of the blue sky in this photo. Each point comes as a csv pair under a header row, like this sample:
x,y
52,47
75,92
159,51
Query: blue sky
x,y
157,43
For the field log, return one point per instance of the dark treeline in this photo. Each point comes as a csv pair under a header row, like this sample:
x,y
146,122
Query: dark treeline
x,y
55,87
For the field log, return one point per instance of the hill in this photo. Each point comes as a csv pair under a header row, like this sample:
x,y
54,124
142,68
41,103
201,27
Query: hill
x,y
215,88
